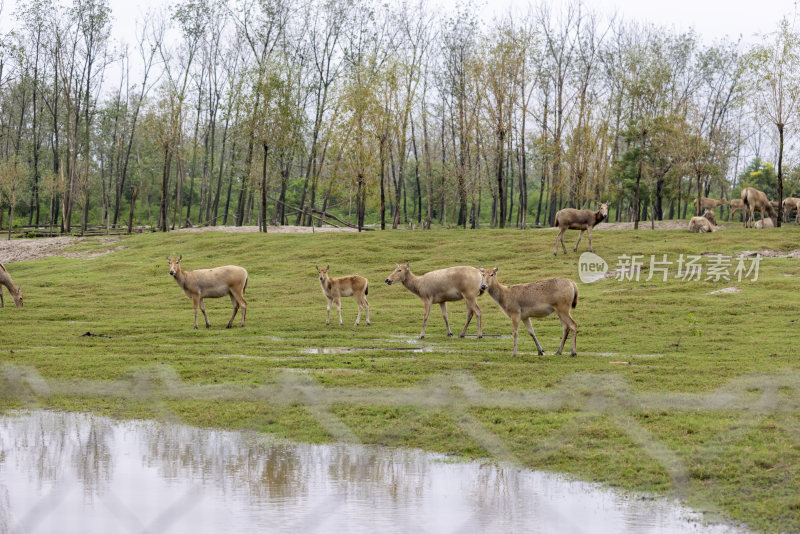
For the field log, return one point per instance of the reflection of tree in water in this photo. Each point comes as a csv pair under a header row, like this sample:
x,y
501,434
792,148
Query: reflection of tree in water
x,y
49,439
92,456
234,463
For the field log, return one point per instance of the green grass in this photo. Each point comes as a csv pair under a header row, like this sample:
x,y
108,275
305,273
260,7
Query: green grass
x,y
711,418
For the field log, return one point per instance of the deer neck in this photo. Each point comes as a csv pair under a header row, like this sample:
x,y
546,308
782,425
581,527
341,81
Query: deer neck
x,y
498,292
180,276
412,283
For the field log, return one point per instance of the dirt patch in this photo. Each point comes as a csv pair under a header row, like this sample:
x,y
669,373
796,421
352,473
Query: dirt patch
x,y
45,247
270,229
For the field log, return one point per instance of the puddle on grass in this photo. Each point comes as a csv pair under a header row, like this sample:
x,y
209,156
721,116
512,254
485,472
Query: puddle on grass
x,y
78,473
84,474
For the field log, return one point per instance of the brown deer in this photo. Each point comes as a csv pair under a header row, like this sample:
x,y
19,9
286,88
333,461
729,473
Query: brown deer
x,y
440,287
737,204
791,204
583,220
346,286
700,225
198,284
520,302
710,204
16,291
753,200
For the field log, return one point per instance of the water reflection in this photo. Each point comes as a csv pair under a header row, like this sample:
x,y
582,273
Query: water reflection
x,y
79,473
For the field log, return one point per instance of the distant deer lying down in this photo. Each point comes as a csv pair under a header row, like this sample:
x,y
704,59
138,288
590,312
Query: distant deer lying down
x,y
572,219
16,292
753,200
520,302
764,223
346,286
440,287
700,225
218,282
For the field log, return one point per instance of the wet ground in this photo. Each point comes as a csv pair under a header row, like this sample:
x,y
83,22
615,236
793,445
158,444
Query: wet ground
x,y
81,473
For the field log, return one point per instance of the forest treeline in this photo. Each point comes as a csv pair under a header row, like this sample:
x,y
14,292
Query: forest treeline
x,y
288,112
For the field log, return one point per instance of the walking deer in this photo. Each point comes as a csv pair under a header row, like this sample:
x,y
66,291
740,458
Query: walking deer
x,y
346,286
520,302
440,287
198,284
16,291
583,220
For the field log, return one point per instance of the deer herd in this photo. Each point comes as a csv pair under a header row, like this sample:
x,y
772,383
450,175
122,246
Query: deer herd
x,y
519,302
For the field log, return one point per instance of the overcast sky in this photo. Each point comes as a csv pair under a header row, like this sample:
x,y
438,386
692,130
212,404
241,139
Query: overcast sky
x,y
712,19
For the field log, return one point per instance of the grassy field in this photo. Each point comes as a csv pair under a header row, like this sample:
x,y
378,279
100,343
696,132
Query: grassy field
x,y
703,407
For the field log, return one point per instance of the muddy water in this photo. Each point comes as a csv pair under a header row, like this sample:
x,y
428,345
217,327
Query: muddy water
x,y
79,473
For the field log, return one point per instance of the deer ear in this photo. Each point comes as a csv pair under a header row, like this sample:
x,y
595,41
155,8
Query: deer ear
x,y
180,258
317,267
496,268
328,267
481,269
168,258
408,265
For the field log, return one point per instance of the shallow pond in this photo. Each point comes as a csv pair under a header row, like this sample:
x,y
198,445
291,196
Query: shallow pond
x,y
63,472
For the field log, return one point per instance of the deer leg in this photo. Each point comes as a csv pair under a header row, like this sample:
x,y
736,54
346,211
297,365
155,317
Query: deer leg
x,y
328,316
589,235
529,326
579,242
235,309
469,318
425,315
564,332
477,311
203,309
514,332
243,306
195,305
339,307
366,305
560,237
2,304
358,298
443,305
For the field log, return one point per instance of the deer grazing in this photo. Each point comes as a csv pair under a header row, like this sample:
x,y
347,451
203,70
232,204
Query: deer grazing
x,y
753,200
583,220
16,291
212,283
346,286
791,204
520,302
440,287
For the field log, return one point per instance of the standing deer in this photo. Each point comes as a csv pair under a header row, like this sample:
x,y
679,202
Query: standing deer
x,y
710,204
753,200
737,204
790,204
520,302
583,220
16,292
440,287
346,286
212,283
